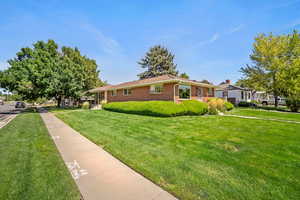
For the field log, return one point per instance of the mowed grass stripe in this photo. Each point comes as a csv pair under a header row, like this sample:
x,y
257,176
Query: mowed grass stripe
x,y
30,165
288,116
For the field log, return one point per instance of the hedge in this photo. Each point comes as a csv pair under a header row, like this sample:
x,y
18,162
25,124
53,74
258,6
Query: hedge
x,y
159,108
293,104
246,104
228,105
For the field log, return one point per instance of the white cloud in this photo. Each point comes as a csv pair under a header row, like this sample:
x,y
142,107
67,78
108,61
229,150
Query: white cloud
x,y
236,29
108,44
212,39
3,65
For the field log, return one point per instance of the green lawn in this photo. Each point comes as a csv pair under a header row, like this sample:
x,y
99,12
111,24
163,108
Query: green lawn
x,y
201,157
266,114
30,166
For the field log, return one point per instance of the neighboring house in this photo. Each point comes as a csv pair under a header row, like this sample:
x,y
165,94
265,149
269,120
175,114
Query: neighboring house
x,y
232,93
164,88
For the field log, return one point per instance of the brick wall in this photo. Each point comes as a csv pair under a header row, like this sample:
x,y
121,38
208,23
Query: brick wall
x,y
143,94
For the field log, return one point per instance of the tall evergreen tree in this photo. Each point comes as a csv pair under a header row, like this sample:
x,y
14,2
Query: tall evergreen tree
x,y
158,61
184,75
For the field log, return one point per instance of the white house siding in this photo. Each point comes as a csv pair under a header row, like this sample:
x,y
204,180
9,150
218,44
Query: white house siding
x,y
219,93
237,94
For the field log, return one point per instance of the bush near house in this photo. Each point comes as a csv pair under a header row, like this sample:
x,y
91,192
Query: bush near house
x,y
159,108
246,104
194,107
228,105
293,104
85,105
216,105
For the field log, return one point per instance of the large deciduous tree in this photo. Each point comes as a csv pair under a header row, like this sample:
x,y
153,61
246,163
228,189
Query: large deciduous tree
x,y
289,71
275,66
158,61
47,71
266,54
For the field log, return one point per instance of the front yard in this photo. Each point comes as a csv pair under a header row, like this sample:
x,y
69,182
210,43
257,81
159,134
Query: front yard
x,y
30,165
201,157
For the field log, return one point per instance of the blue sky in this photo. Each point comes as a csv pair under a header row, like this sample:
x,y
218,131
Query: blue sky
x,y
211,39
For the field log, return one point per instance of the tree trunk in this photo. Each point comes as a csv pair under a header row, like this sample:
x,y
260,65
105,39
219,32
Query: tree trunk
x,y
275,90
58,101
276,100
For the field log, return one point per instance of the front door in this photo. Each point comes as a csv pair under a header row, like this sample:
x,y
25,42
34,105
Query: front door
x,y
199,92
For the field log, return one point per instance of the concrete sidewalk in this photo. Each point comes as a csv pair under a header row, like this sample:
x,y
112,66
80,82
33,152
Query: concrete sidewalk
x,y
99,175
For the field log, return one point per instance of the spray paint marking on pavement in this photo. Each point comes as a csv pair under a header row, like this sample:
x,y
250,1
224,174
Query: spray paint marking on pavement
x,y
75,170
55,137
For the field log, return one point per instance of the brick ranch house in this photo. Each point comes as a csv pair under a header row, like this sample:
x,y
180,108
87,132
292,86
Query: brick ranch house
x,y
163,88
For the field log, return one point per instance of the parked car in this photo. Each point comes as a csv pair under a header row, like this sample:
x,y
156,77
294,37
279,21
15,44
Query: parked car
x,y
271,101
267,99
20,104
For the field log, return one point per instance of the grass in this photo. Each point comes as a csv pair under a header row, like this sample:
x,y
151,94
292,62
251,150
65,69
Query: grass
x,y
266,114
30,166
201,157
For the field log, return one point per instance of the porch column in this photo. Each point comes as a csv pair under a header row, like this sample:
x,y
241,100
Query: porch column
x,y
97,98
105,96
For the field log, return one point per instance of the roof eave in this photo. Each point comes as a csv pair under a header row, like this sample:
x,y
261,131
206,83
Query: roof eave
x,y
154,82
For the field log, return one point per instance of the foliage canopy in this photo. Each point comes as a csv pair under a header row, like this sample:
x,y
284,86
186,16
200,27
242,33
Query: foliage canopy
x,y
50,72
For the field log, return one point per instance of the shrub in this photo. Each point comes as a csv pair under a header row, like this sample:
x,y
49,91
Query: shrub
x,y
194,107
246,104
103,102
212,107
293,104
85,105
218,105
158,108
228,105
255,102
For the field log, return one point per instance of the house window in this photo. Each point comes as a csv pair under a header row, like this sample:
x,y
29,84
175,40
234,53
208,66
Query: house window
x,y
156,89
184,92
249,95
114,93
210,91
127,92
242,94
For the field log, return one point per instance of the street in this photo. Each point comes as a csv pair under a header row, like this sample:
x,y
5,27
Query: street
x,y
7,113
